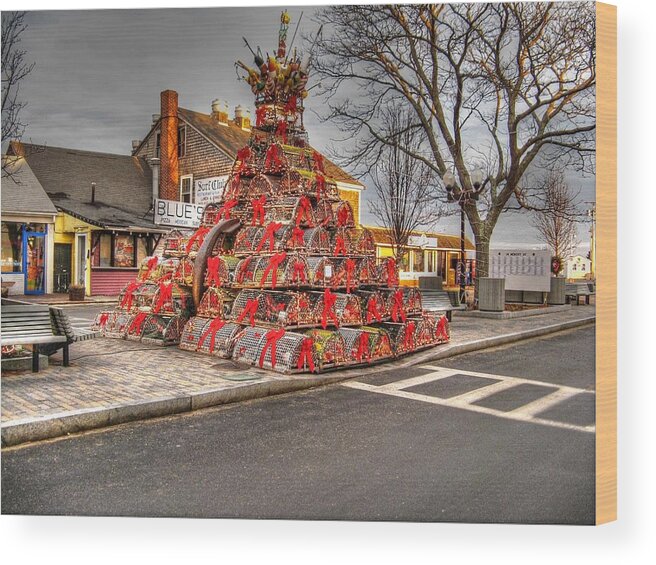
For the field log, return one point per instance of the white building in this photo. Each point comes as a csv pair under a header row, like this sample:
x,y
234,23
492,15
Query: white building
x,y
578,267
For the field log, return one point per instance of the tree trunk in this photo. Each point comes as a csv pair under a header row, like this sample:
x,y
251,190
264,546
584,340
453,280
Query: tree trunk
x,y
482,244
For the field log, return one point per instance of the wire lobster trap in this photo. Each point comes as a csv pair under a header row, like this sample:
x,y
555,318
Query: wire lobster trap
x,y
320,271
135,327
402,336
296,210
297,158
163,330
367,271
317,240
274,271
247,239
375,307
273,349
218,338
259,185
245,271
362,242
292,183
432,330
104,321
191,333
149,269
342,242
344,274
388,273
412,299
167,267
366,344
343,214
174,244
219,270
274,308
171,298
276,161
345,309
329,348
215,303
323,213
184,273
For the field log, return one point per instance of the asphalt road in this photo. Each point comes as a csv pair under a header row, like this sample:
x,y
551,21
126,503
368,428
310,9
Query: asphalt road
x,y
343,453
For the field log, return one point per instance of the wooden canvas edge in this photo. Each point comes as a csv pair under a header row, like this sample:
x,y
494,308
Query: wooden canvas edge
x,y
606,265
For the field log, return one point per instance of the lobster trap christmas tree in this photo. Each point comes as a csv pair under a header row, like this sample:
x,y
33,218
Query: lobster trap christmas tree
x,y
278,275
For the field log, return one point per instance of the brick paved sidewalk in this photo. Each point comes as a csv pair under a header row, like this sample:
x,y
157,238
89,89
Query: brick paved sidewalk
x,y
106,373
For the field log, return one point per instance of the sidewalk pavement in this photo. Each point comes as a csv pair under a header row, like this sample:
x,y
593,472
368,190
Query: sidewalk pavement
x,y
60,299
114,381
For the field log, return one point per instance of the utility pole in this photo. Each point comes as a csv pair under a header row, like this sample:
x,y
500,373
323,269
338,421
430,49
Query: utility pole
x,y
592,214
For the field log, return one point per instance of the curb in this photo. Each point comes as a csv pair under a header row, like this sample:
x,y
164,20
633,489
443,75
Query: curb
x,y
65,423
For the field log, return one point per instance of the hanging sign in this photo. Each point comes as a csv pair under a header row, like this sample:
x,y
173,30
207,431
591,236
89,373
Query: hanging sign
x,y
523,269
209,189
422,241
177,214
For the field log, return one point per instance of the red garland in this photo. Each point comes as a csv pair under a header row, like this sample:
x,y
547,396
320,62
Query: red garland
x,y
297,237
137,323
363,347
343,216
165,296
215,325
272,267
442,331
299,272
128,297
269,235
304,213
272,337
272,155
372,310
281,130
260,114
258,210
213,264
104,318
397,306
249,310
199,236
329,299
318,162
408,340
340,246
305,355
350,269
244,154
224,211
244,269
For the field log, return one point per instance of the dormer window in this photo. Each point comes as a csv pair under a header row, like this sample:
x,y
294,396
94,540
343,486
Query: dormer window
x,y
182,141
186,183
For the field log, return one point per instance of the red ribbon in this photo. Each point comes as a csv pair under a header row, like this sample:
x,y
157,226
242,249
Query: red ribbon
x,y
392,275
442,331
297,237
137,323
260,114
272,267
305,356
272,155
234,185
244,269
224,211
397,306
363,347
299,271
269,235
258,210
408,340
305,211
343,216
150,265
329,299
281,130
372,310
199,236
318,162
249,310
272,337
213,264
350,269
321,185
244,154
164,296
215,325
128,296
290,107
104,318
340,246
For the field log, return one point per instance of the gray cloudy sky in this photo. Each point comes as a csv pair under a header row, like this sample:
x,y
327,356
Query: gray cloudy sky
x,y
99,73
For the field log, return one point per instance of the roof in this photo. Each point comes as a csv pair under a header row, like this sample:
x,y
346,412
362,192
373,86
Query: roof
x,y
444,241
231,138
123,197
21,191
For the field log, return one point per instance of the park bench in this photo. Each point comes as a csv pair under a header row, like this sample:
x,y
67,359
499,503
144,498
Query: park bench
x,y
578,289
439,301
30,324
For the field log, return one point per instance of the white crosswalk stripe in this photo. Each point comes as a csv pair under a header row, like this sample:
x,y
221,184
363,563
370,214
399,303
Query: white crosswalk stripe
x,y
528,412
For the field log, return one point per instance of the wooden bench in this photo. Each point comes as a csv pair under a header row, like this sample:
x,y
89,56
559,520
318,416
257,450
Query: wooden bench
x,y
30,324
64,327
576,290
439,301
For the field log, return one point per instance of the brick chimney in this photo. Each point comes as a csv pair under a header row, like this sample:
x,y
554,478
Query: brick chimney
x,y
243,118
168,152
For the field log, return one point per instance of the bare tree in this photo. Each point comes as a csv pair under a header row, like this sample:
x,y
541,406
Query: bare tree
x,y
556,220
15,68
504,87
405,188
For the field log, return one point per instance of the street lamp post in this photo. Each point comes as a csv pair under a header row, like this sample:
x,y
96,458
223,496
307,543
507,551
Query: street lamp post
x,y
464,197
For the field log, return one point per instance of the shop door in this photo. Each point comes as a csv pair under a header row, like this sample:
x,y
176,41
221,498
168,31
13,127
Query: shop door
x,y
62,266
81,271
34,244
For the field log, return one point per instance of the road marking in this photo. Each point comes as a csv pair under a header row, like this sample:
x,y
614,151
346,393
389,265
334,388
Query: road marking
x,y
467,400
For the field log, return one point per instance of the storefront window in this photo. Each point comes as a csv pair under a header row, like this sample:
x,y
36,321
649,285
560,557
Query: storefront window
x,y
12,247
102,256
430,261
123,251
142,250
404,262
418,261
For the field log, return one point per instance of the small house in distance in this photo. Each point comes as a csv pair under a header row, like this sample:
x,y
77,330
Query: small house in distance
x,y
578,267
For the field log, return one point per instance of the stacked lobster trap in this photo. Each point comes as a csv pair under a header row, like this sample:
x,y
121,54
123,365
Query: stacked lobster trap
x,y
295,286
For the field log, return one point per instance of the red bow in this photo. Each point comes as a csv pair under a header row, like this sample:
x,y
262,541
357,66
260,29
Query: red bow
x,y
281,130
213,264
150,265
343,216
137,323
442,331
291,105
272,155
215,325
104,318
249,310
305,211
199,236
272,337
408,340
224,211
397,306
321,185
305,356
299,271
297,237
165,296
258,210
244,269
234,184
269,235
128,296
392,275
340,246
318,162
244,154
350,269
329,299
272,267
260,114
363,347
372,310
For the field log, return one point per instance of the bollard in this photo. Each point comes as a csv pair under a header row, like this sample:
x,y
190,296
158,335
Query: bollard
x,y
556,294
491,294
